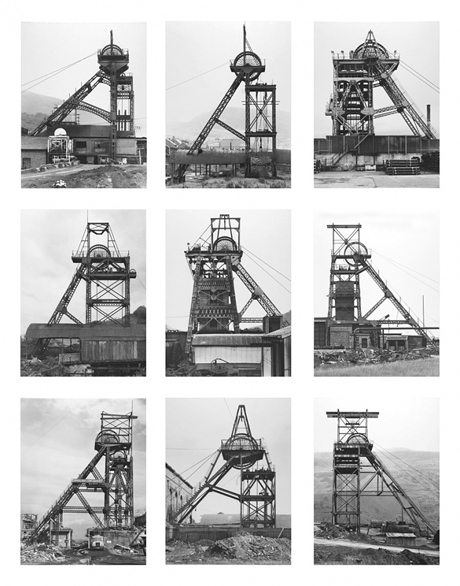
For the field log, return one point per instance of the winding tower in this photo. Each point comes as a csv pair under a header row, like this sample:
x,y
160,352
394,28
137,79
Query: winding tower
x,y
358,472
213,264
349,260
355,77
260,110
107,274
257,495
114,482
113,66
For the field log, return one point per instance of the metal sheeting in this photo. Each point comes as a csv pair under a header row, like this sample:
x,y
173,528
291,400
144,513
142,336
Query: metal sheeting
x,y
234,355
226,339
112,350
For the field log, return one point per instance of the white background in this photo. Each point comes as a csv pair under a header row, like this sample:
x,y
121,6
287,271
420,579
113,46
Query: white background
x,y
302,199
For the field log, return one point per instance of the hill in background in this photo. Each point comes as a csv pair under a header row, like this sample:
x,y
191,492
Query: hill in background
x,y
421,489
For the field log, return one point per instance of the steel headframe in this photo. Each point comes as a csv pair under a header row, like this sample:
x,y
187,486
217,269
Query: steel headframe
x,y
113,447
260,110
113,64
355,76
257,495
213,263
358,472
349,260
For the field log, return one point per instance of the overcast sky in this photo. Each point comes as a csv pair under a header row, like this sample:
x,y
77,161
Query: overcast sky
x,y
418,46
190,439
194,48
404,423
47,47
410,238
48,238
57,443
264,233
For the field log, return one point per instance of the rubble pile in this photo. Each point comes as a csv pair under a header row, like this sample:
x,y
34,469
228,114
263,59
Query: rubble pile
x,y
41,553
35,367
246,546
370,356
328,531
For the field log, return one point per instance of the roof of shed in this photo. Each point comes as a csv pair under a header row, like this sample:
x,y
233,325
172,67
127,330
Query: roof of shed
x,y
226,339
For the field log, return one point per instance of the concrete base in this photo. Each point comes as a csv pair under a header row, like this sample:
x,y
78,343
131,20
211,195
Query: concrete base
x,y
373,179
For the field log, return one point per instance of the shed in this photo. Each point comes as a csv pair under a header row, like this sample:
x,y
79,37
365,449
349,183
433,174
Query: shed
x,y
404,539
33,151
233,353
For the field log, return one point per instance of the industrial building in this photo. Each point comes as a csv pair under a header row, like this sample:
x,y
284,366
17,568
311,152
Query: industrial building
x,y
177,491
215,343
60,138
359,76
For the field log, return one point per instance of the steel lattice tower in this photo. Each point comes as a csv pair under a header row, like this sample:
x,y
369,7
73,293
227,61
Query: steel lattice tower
x,y
113,65
359,472
114,481
260,109
257,495
349,260
351,106
213,265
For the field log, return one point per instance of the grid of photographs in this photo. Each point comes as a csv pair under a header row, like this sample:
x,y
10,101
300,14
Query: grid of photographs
x,y
339,463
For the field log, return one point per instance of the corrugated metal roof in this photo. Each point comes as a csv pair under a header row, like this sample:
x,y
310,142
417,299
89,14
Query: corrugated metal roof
x,y
401,535
39,143
282,332
226,339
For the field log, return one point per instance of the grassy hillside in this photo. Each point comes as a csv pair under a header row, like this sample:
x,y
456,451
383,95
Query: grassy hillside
x,y
421,489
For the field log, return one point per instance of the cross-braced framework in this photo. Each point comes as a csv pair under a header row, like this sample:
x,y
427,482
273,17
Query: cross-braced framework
x,y
351,106
260,111
257,496
349,260
114,481
107,273
113,65
358,473
213,263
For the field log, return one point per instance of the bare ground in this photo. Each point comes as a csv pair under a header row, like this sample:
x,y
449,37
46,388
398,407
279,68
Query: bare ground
x,y
342,555
118,176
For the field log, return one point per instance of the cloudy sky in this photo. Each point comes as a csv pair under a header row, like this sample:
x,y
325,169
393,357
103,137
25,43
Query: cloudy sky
x,y
47,47
410,239
191,439
195,48
48,238
57,443
265,234
404,423
418,46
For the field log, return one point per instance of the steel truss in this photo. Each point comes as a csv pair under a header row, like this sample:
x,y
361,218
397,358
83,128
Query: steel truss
x,y
359,472
113,64
213,266
349,259
351,106
247,67
114,451
257,496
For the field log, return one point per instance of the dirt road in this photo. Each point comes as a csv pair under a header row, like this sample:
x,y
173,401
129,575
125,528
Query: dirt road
x,y
360,545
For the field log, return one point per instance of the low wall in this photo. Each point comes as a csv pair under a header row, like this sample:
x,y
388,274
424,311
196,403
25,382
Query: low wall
x,y
194,533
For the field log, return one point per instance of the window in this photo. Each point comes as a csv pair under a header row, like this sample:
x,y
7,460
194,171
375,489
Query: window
x,y
80,144
26,163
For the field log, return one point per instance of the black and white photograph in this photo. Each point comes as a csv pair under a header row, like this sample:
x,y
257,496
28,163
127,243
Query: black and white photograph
x,y
380,83
228,104
377,294
376,495
83,295
83,105
228,481
228,294
83,482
